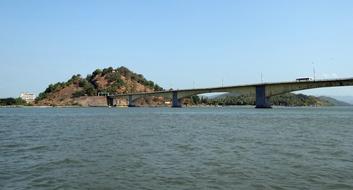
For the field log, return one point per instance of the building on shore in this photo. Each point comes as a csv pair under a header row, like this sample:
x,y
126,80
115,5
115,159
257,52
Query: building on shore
x,y
28,97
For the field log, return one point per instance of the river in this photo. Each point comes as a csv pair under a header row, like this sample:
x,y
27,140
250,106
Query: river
x,y
187,148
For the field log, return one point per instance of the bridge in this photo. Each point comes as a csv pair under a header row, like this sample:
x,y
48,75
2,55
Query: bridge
x,y
262,91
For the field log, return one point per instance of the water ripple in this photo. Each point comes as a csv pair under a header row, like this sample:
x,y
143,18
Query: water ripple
x,y
198,148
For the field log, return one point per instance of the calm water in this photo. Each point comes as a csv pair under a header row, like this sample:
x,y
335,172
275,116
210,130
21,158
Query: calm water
x,y
162,148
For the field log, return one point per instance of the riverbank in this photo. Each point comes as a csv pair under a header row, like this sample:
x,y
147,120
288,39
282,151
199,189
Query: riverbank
x,y
189,106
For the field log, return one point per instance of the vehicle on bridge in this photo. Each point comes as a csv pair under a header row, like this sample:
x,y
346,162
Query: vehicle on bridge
x,y
304,79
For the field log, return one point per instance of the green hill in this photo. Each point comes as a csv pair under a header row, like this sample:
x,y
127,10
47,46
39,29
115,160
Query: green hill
x,y
289,99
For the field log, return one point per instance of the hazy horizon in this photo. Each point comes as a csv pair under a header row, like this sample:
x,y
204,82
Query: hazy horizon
x,y
177,44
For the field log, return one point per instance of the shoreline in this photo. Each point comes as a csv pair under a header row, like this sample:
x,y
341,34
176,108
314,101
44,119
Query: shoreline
x,y
192,106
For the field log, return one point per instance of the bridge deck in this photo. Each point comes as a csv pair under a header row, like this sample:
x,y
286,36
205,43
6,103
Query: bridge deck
x,y
233,87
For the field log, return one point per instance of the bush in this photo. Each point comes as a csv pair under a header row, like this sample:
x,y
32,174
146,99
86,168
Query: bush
x,y
112,77
41,96
107,70
90,90
111,89
78,94
125,72
195,100
83,83
89,77
74,79
157,88
97,72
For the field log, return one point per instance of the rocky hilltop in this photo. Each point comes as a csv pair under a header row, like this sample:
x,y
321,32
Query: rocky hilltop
x,y
82,91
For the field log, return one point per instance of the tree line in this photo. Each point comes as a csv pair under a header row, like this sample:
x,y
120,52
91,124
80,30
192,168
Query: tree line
x,y
12,102
288,99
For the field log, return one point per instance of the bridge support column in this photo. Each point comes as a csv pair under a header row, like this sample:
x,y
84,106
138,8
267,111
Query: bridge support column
x,y
261,99
176,102
130,102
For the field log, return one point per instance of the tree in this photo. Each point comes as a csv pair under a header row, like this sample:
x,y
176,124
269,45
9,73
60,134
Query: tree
x,y
107,70
157,88
97,72
112,77
78,94
195,100
89,77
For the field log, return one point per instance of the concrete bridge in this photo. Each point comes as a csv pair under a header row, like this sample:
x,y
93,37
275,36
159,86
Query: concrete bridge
x,y
262,91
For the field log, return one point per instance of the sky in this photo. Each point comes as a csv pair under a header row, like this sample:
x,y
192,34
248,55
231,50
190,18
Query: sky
x,y
178,44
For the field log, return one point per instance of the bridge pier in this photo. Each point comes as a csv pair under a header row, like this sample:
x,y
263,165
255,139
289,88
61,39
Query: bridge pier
x,y
261,99
130,102
176,103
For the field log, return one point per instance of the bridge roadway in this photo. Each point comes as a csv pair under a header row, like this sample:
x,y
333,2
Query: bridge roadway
x,y
262,91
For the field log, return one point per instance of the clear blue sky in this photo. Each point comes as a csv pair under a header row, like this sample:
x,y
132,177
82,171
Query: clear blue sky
x,y
177,43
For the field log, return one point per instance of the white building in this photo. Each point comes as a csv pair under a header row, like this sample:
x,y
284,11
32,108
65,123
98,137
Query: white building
x,y
28,97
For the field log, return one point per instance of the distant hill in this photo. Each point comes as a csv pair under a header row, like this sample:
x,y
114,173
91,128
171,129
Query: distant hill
x,y
289,99
334,101
347,99
108,80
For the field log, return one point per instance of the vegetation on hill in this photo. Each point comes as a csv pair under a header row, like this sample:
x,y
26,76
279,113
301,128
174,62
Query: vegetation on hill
x,y
106,81
291,99
288,99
